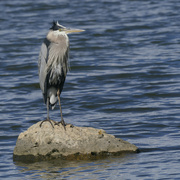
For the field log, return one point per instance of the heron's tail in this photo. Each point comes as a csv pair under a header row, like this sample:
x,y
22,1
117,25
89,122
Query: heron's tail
x,y
52,94
53,101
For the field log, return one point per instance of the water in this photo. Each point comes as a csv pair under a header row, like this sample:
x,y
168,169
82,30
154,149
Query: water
x,y
124,79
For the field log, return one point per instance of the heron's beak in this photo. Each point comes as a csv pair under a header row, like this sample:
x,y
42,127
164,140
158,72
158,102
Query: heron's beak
x,y
68,31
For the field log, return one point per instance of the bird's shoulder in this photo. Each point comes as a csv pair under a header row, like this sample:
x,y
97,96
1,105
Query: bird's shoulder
x,y
46,42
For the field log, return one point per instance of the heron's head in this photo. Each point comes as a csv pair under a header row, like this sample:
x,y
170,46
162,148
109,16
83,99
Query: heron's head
x,y
63,30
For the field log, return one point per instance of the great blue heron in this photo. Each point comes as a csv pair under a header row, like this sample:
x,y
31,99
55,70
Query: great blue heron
x,y
53,65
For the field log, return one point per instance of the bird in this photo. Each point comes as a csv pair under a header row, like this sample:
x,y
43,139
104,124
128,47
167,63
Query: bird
x,y
53,66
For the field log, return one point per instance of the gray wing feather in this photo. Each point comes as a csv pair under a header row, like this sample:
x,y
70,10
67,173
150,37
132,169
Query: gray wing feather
x,y
43,55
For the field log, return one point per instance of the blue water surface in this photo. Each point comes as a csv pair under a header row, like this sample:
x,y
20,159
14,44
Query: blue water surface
x,y
124,78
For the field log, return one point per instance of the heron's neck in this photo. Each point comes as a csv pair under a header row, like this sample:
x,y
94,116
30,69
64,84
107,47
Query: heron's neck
x,y
57,37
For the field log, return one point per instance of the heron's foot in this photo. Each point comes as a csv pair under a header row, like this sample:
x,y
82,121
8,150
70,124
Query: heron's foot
x,y
61,122
64,124
49,120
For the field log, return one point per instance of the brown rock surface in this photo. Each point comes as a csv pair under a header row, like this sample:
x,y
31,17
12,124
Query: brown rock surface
x,y
46,142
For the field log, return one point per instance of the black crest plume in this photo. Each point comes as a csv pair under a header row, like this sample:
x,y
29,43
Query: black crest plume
x,y
55,26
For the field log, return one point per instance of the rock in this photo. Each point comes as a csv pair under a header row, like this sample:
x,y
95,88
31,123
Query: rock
x,y
46,142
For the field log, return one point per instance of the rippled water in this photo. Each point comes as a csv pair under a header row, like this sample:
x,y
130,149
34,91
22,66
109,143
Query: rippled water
x,y
124,79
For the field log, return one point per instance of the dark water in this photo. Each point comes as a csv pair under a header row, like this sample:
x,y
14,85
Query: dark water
x,y
124,79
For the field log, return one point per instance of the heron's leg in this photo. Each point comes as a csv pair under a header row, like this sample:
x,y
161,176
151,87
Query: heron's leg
x,y
48,119
62,120
47,105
